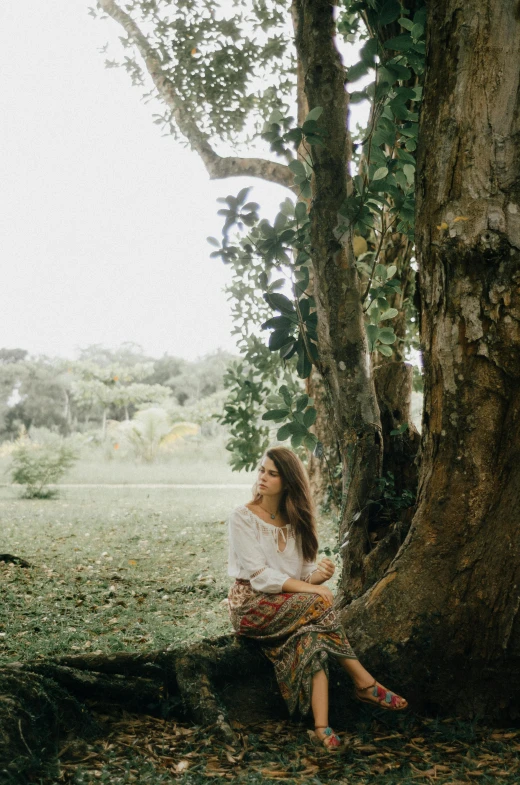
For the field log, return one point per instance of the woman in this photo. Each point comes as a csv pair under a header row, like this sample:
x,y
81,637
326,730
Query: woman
x,y
279,597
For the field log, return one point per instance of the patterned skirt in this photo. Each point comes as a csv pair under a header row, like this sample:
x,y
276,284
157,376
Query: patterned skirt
x,y
297,632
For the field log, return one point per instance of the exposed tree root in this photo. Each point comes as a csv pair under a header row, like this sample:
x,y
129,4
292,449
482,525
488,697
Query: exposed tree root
x,y
216,682
8,558
41,703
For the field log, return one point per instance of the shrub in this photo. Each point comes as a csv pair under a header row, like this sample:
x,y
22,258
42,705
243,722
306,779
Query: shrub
x,y
37,465
149,433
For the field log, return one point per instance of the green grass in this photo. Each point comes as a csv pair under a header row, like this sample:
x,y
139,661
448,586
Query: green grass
x,y
115,568
204,461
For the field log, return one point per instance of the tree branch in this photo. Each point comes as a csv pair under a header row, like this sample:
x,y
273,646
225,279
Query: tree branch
x,y
218,167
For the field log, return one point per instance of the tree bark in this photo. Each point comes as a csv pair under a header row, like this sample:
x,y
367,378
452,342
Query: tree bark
x,y
445,615
343,352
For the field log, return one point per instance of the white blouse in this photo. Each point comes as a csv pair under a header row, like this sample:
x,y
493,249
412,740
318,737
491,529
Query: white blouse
x,y
254,554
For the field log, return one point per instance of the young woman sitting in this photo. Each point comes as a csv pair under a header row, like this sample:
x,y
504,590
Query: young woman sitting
x,y
279,597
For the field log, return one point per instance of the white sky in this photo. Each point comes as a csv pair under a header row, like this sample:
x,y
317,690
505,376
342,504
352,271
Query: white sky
x,y
104,221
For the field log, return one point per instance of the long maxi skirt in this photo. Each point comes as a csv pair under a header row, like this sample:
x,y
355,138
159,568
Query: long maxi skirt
x,y
297,632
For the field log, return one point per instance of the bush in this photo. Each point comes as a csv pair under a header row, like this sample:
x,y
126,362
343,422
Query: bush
x,y
150,432
37,465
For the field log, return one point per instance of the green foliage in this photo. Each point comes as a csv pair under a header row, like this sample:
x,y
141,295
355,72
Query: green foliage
x,y
384,187
150,431
284,138
227,63
38,465
299,415
390,502
70,395
248,439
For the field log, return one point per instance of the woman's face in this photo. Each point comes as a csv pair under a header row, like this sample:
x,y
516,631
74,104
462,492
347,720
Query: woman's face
x,y
269,480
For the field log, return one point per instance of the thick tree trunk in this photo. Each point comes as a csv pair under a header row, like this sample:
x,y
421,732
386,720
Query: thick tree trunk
x,y
445,616
344,360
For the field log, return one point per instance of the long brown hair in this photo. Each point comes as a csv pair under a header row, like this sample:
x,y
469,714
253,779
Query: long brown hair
x,y
296,504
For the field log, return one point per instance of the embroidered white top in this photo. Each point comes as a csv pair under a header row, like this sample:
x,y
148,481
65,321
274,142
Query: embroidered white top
x,y
254,554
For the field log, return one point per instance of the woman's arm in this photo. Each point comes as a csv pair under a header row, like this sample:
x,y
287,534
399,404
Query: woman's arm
x,y
293,586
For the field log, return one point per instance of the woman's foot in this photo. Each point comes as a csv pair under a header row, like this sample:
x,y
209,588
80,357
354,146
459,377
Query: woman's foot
x,y
378,695
328,738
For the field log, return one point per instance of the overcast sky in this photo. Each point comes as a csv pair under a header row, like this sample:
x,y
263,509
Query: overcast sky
x,y
104,221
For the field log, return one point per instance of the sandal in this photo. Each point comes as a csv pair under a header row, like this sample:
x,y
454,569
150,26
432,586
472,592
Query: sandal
x,y
331,742
381,697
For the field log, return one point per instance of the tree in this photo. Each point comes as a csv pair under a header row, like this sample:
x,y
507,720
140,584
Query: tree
x,y
443,619
181,46
448,604
341,339
35,392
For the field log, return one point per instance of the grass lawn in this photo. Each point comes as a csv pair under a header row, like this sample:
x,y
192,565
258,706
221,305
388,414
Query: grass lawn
x,y
139,569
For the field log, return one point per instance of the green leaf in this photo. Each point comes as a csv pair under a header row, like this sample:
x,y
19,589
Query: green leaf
x,y
284,432
400,71
298,168
213,241
409,170
286,395
385,350
389,12
310,441
405,157
276,285
277,323
381,272
391,270
242,195
380,173
368,51
358,95
388,314
300,211
400,43
296,440
280,302
302,402
314,114
406,23
372,331
399,431
276,414
399,110
303,366
306,190
275,117
279,338
356,71
417,31
404,94
286,352
279,222
309,418
314,139
387,335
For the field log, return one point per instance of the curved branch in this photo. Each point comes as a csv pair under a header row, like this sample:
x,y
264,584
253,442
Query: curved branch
x,y
218,167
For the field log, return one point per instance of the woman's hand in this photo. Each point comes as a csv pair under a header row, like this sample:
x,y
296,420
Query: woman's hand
x,y
326,568
326,593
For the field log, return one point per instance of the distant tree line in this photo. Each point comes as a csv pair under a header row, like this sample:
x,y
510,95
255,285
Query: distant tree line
x,y
102,384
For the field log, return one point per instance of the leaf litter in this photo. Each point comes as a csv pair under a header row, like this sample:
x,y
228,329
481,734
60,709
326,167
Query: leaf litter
x,y
144,749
